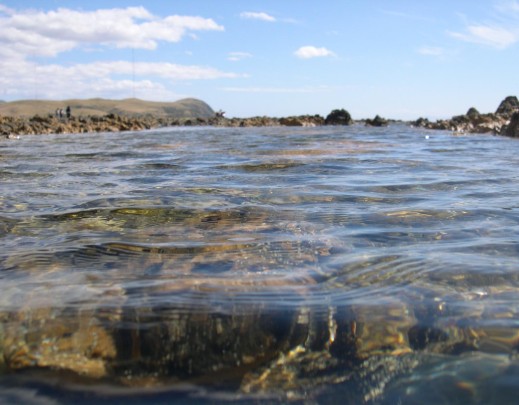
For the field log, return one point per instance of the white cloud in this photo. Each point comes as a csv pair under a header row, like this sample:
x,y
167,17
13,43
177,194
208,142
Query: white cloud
x,y
27,34
257,16
38,33
164,70
497,37
237,56
308,52
22,79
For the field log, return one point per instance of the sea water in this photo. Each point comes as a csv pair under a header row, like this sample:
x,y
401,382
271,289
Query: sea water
x,y
206,265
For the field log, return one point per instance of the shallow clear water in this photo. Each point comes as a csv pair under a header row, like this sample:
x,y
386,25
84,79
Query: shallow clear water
x,y
212,264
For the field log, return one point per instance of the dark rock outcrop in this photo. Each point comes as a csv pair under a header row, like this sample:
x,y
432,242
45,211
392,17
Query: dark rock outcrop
x,y
338,117
51,125
472,112
13,126
474,122
512,129
508,106
378,121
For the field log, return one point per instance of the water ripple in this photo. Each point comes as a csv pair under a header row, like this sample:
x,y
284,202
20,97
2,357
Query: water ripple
x,y
300,260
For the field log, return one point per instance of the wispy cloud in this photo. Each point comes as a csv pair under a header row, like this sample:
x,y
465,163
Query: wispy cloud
x,y
405,15
237,56
494,36
500,33
100,78
257,16
309,52
318,89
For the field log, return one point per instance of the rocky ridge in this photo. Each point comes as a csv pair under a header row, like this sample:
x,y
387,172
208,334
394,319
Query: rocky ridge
x,y
13,126
499,123
505,121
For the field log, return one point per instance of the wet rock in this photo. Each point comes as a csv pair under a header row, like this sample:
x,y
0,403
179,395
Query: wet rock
x,y
474,122
291,122
512,129
508,106
51,124
39,339
338,117
378,121
302,121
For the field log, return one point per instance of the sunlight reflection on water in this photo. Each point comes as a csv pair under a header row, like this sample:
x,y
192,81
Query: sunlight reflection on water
x,y
266,264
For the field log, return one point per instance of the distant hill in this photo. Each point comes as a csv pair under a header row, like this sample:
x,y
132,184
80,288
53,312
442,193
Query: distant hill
x,y
185,108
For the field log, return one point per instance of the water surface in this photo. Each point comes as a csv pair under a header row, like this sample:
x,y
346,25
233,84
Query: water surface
x,y
306,264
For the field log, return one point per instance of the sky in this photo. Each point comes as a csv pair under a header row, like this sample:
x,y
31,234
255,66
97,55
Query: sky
x,y
400,59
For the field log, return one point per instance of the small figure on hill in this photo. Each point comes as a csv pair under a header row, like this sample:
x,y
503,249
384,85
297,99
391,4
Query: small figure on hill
x,y
219,114
68,111
57,112
60,112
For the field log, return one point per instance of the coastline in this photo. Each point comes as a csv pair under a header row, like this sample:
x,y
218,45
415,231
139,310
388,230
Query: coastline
x,y
505,121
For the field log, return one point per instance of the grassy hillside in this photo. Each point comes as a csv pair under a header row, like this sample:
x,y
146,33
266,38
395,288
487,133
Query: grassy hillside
x,y
185,108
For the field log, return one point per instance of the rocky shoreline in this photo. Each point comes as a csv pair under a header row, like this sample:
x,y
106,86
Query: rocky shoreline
x,y
505,121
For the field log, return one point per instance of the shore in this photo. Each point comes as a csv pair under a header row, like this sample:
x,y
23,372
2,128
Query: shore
x,y
505,121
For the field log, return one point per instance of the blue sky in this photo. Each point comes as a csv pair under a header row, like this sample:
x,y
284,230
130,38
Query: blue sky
x,y
400,59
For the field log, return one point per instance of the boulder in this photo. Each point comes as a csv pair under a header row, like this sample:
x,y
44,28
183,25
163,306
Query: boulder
x,y
472,112
508,106
378,121
512,129
338,117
